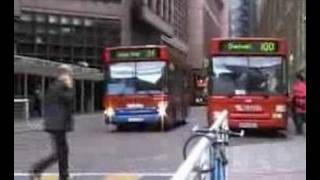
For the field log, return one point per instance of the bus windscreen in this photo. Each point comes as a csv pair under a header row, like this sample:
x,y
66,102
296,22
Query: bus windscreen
x,y
245,75
135,78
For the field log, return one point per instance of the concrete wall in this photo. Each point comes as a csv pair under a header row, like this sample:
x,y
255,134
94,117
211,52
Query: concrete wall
x,y
196,32
207,19
286,19
143,33
16,7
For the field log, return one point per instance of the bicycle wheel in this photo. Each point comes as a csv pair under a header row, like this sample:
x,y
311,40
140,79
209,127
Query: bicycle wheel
x,y
194,139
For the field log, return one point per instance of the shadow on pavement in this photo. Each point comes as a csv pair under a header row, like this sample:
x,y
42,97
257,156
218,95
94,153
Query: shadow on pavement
x,y
261,137
265,134
140,127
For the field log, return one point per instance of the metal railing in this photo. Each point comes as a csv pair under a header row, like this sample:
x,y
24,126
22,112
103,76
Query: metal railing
x,y
21,109
22,116
199,156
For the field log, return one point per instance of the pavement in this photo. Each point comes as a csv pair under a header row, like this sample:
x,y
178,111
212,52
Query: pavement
x,y
101,176
100,154
35,124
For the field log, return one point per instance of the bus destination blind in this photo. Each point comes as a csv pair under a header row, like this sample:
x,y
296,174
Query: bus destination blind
x,y
135,54
269,47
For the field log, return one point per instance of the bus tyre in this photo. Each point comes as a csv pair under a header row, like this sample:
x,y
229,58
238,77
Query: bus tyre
x,y
184,121
283,133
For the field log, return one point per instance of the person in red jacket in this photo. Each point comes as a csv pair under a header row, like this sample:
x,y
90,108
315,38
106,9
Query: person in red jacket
x,y
299,102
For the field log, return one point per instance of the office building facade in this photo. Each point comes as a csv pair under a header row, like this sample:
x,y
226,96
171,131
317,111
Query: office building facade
x,y
48,33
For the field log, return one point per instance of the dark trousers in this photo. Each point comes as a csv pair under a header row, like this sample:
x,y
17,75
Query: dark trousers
x,y
299,119
59,154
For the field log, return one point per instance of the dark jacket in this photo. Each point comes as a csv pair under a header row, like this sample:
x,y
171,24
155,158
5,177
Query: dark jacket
x,y
58,108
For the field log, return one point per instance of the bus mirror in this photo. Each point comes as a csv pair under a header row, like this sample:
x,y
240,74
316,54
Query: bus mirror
x,y
171,67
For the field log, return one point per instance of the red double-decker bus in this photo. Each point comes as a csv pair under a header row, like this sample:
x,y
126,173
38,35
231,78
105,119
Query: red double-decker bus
x,y
249,78
145,84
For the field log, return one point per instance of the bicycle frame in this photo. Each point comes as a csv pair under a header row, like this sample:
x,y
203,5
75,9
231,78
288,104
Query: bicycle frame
x,y
201,156
219,167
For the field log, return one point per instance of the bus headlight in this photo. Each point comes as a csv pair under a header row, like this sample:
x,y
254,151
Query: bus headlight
x,y
277,116
162,107
109,112
280,108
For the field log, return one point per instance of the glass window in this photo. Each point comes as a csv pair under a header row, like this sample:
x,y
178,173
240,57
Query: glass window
x,y
139,77
55,50
65,20
40,18
40,29
26,17
53,19
242,75
121,79
267,71
88,22
90,52
150,76
26,28
53,30
25,38
78,51
76,21
66,51
39,40
25,48
65,30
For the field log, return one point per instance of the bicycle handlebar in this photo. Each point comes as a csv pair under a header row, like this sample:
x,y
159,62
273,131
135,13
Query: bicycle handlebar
x,y
228,132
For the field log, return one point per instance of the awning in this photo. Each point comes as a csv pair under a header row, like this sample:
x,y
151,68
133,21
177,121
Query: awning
x,y
42,67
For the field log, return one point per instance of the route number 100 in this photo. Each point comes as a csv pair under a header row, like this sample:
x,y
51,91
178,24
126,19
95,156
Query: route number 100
x,y
267,47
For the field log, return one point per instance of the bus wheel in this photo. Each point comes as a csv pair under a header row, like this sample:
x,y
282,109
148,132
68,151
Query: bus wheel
x,y
283,133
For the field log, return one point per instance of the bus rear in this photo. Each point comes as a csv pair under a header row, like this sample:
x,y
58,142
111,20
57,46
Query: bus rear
x,y
248,77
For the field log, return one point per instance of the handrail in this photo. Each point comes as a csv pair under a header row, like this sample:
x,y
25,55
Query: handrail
x,y
185,170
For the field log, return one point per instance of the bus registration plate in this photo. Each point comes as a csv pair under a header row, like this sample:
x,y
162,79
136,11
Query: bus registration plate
x,y
248,125
135,119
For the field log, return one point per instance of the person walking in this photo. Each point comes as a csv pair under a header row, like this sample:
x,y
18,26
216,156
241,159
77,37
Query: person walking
x,y
299,102
58,121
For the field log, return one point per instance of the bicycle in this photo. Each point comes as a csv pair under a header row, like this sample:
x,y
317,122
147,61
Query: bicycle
x,y
217,157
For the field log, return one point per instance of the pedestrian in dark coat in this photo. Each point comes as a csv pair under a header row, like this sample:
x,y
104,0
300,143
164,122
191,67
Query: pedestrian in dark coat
x,y
58,121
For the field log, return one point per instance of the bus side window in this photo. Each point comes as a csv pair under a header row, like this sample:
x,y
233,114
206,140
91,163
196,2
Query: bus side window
x,y
180,82
176,81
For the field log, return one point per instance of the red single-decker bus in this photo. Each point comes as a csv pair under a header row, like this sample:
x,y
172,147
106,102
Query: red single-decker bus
x,y
143,85
249,78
